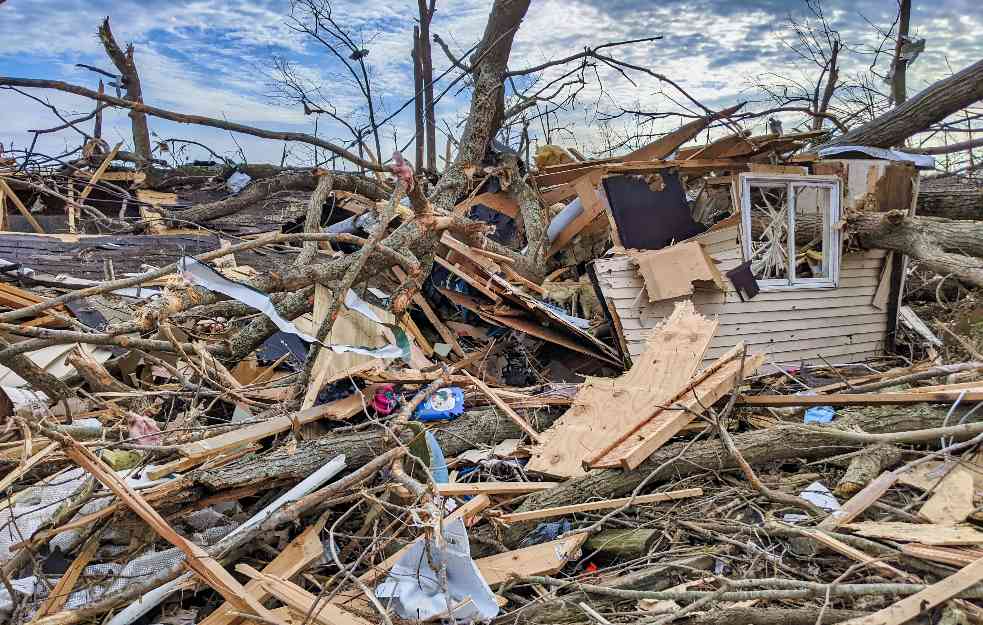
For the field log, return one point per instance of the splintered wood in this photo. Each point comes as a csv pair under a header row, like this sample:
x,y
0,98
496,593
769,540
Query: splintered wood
x,y
604,408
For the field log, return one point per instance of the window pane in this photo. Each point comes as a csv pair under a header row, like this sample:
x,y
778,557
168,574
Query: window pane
x,y
811,232
769,231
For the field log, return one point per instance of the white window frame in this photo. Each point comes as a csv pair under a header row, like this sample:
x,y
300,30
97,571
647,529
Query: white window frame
x,y
832,183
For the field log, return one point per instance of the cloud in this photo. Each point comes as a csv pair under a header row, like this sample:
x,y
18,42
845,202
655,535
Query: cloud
x,y
213,57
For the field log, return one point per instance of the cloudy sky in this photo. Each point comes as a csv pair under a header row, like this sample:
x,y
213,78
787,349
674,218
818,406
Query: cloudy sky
x,y
215,57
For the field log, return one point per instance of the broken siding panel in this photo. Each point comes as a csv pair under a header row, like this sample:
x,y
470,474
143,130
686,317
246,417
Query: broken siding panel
x,y
789,325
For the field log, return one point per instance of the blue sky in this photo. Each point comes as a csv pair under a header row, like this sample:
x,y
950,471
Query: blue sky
x,y
214,57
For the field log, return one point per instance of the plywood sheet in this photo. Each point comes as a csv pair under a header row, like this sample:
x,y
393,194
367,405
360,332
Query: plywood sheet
x,y
604,407
671,272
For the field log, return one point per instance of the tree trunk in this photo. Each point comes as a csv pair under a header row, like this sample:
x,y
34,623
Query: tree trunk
x,y
477,427
932,105
781,442
947,247
426,68
134,93
262,189
950,197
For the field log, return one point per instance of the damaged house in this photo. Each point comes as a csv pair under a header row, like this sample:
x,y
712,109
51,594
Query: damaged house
x,y
775,269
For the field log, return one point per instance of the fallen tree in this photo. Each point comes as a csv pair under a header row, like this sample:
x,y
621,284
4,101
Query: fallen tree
x,y
785,442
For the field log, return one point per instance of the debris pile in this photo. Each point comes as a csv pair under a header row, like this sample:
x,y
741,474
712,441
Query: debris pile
x,y
701,382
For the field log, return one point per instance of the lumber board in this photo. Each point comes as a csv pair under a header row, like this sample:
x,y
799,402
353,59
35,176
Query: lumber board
x,y
428,311
931,534
500,202
858,399
197,559
604,504
471,280
471,489
542,559
669,421
295,557
855,554
604,408
512,414
865,498
337,410
301,600
918,603
593,208
23,210
61,591
955,556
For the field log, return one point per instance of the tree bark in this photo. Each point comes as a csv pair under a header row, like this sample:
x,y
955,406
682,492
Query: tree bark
x,y
134,93
947,247
951,198
262,189
932,105
477,427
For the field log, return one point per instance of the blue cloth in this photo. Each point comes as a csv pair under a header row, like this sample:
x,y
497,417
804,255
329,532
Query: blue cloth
x,y
820,414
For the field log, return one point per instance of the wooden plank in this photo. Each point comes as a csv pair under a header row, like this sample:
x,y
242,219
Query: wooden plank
x,y
4,189
471,280
295,557
300,600
857,399
593,208
762,335
542,559
955,556
471,489
63,589
548,334
501,202
770,317
604,504
855,554
883,292
860,501
428,311
196,558
920,602
931,534
659,310
516,418
604,408
84,194
337,410
669,421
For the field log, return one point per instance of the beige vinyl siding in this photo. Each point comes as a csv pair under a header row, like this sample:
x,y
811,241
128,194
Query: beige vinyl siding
x,y
790,326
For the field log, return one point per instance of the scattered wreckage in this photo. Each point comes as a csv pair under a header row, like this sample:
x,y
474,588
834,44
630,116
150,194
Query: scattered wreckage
x,y
643,389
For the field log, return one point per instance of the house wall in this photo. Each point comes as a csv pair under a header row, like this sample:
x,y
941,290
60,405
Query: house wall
x,y
841,325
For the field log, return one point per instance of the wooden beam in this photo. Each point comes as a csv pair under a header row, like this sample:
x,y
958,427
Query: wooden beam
x,y
605,504
593,208
60,593
449,337
862,500
300,600
84,194
196,558
920,602
857,399
295,557
470,489
337,410
20,206
516,417
471,280
501,202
